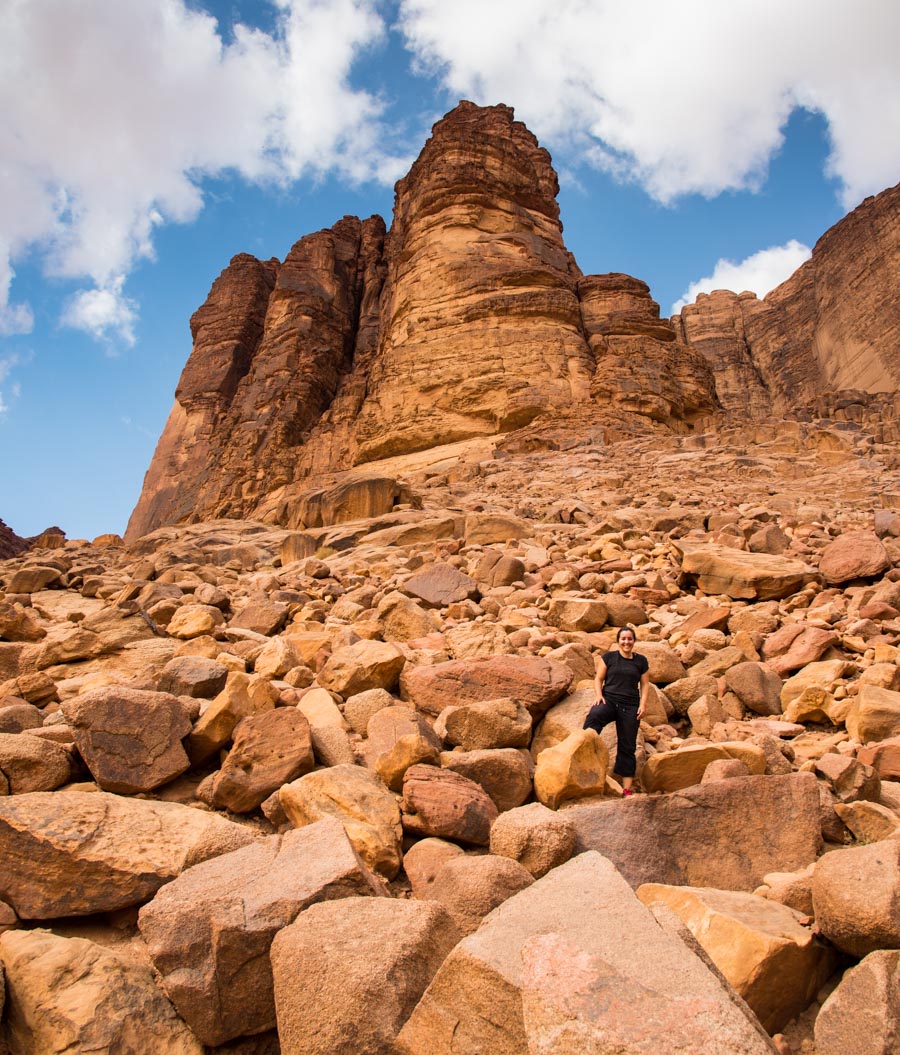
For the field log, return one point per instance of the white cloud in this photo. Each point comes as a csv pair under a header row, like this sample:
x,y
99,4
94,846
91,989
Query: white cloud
x,y
687,96
759,273
103,313
113,113
7,364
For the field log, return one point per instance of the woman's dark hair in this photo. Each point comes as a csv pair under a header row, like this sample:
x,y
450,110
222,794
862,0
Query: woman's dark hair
x,y
622,630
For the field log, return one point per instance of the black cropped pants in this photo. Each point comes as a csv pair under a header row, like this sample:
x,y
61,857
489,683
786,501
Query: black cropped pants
x,y
624,714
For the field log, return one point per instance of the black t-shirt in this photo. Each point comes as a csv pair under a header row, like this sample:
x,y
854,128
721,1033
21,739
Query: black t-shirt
x,y
623,676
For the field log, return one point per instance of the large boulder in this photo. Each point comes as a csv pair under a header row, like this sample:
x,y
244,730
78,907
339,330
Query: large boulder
x,y
535,682
854,555
469,887
856,897
762,947
575,963
270,749
363,665
209,931
506,773
360,801
71,995
331,1003
862,1015
243,695
439,585
29,763
130,739
573,769
875,714
538,838
757,686
742,575
727,834
442,803
481,726
74,853
674,770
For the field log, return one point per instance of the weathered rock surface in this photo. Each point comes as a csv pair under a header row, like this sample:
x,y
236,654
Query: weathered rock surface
x,y
702,836
209,932
331,1003
534,972
70,994
862,1015
75,853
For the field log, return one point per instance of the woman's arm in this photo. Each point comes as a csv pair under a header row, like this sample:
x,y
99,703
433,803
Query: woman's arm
x,y
645,693
599,680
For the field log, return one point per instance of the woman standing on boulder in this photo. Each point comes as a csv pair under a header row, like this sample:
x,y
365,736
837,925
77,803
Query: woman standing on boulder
x,y
622,684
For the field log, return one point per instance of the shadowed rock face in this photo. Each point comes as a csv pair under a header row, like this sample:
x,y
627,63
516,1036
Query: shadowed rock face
x,y
470,318
10,543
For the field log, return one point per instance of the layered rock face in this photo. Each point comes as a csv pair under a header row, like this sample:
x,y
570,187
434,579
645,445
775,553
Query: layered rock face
x,y
10,543
471,319
834,324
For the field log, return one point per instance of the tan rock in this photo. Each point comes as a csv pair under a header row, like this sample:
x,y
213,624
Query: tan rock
x,y
704,714
399,737
28,763
17,717
563,718
264,617
856,897
360,801
826,674
194,620
883,757
365,665
277,657
18,623
330,1004
193,676
538,838
534,971
401,618
674,770
423,861
270,749
442,803
482,726
807,647
471,887
243,695
665,666
473,640
761,947
320,710
854,555
573,769
875,715
439,585
359,709
703,836
742,575
685,691
862,1014
33,578
724,769
718,662
793,889
209,932
535,682
70,994
757,686
848,779
74,853
868,821
577,614
130,739
506,774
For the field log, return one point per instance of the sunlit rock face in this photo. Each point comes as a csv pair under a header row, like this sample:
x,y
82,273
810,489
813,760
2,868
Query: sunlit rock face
x,y
833,325
470,319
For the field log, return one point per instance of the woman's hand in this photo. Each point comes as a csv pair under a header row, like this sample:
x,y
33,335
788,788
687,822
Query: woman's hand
x,y
642,710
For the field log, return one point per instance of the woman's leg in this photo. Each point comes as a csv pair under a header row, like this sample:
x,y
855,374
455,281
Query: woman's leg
x,y
627,724
599,716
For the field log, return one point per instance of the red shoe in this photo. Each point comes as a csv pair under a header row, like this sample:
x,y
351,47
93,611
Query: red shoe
x,y
626,793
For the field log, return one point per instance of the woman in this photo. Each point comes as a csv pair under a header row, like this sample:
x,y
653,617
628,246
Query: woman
x,y
622,685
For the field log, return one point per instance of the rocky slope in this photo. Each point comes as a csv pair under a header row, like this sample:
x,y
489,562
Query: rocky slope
x,y
249,773
470,318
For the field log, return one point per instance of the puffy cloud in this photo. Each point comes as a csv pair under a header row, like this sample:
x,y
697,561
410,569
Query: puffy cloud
x,y
113,113
684,96
104,312
759,273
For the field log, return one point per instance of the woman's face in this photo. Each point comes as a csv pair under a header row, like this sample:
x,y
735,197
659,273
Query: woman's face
x,y
626,641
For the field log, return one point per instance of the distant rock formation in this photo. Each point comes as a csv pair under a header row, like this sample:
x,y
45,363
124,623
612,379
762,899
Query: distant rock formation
x,y
470,318
833,325
10,543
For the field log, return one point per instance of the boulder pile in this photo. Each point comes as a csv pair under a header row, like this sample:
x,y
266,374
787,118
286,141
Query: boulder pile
x,y
328,791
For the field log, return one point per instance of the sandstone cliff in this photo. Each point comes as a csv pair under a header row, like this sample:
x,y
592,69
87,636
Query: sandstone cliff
x,y
469,318
834,324
10,543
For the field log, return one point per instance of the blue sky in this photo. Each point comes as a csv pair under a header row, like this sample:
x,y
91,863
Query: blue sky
x,y
143,143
